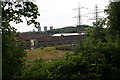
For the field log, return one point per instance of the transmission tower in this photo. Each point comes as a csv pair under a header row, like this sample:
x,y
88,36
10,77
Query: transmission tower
x,y
79,20
96,13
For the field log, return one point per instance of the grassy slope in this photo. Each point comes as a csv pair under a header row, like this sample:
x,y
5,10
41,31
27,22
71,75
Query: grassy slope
x,y
45,53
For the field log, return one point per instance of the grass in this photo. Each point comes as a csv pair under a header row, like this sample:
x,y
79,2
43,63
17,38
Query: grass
x,y
45,53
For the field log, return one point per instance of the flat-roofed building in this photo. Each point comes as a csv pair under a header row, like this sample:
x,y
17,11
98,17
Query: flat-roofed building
x,y
39,29
51,27
45,28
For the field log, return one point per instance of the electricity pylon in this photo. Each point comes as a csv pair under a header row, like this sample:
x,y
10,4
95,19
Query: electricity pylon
x,y
79,19
96,13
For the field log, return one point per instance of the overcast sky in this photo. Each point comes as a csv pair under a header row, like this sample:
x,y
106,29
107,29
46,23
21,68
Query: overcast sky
x,y
59,13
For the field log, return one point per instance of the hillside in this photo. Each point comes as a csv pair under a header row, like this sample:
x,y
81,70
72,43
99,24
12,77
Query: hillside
x,y
69,29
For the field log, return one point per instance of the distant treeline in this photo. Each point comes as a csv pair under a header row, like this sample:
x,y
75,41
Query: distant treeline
x,y
69,29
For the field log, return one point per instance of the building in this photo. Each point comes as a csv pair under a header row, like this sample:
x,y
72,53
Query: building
x,y
51,27
46,40
45,28
33,30
66,34
39,29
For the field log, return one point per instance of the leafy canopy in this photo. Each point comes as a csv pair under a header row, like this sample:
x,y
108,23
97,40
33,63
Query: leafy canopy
x,y
13,49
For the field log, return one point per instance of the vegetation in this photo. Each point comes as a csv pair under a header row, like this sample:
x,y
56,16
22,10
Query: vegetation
x,y
12,49
45,53
66,47
69,29
96,58
114,19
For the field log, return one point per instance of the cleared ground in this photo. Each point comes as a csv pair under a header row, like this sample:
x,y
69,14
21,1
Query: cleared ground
x,y
45,53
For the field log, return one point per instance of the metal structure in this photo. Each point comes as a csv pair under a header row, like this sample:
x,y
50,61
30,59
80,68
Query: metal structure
x,y
79,19
96,13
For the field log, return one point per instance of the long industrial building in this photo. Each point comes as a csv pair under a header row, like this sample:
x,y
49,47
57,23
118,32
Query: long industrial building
x,y
44,40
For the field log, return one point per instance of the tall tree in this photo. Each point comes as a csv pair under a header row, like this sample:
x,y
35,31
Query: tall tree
x,y
13,51
114,18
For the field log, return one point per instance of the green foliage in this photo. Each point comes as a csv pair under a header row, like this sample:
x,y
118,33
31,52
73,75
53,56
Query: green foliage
x,y
101,51
96,58
70,29
71,67
37,71
98,62
14,11
104,58
12,52
12,49
114,19
96,34
66,47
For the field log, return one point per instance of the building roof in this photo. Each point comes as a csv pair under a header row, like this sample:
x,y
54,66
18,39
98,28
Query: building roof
x,y
66,34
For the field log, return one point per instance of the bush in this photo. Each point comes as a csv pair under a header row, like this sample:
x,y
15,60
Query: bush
x,y
65,47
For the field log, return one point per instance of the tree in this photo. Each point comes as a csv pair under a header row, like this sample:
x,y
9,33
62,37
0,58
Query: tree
x,y
97,57
13,51
114,19
101,49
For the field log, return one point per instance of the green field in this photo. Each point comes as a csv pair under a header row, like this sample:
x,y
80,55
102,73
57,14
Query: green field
x,y
45,53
